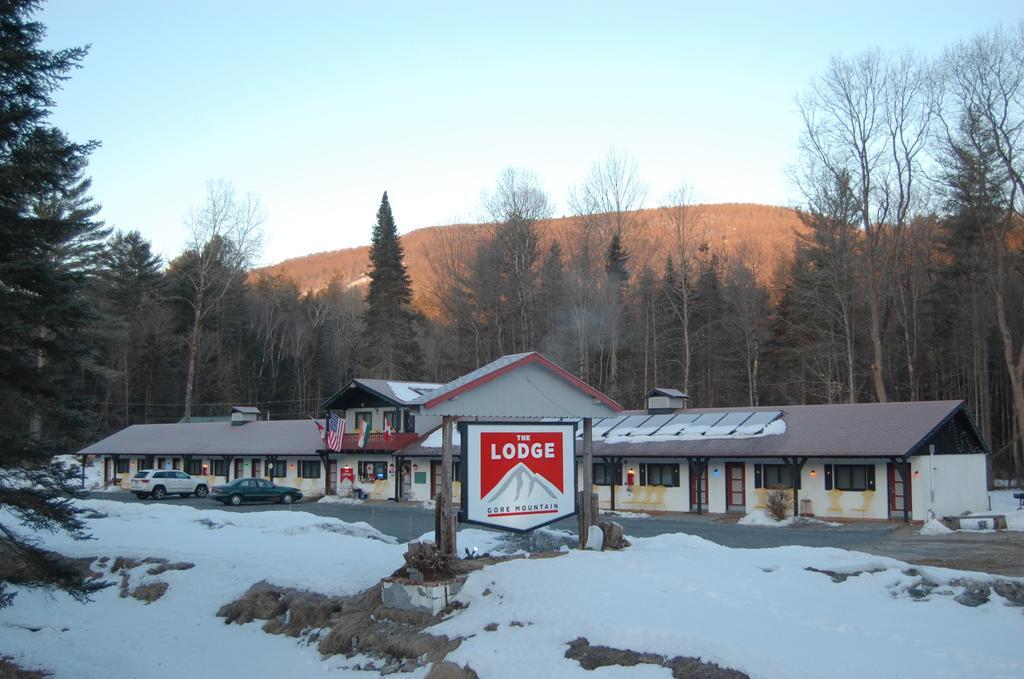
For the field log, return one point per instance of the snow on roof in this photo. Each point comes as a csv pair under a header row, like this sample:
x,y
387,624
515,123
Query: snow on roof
x,y
512,362
626,429
410,391
395,391
483,371
246,410
663,391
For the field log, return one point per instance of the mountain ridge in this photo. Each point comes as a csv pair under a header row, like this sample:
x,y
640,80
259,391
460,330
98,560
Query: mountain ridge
x,y
728,227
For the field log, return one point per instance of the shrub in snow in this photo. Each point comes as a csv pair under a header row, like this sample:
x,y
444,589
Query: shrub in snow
x,y
778,503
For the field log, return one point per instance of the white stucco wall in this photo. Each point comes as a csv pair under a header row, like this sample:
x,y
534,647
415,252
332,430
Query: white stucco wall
x,y
960,483
846,504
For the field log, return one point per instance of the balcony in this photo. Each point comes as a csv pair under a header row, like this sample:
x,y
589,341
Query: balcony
x,y
391,442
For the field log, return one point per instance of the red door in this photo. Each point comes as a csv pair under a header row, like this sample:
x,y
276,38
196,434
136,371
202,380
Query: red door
x,y
736,488
332,475
899,490
238,468
257,470
703,488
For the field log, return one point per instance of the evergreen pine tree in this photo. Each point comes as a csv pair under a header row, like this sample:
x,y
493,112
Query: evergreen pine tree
x,y
390,349
47,233
128,289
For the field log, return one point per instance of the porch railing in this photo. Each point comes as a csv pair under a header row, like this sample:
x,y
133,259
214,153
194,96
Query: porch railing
x,y
392,441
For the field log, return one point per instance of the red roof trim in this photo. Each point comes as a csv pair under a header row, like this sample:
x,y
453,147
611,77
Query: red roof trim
x,y
526,360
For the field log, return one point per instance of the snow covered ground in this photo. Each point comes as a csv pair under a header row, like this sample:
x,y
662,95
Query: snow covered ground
x,y
1003,502
757,610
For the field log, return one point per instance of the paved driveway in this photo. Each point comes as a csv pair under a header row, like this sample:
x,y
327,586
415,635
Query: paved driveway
x,y
1001,552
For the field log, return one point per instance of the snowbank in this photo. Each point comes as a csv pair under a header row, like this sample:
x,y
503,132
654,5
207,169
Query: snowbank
x,y
762,611
934,527
338,500
759,517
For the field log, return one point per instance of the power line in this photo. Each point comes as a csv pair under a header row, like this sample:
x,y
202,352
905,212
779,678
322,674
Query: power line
x,y
236,402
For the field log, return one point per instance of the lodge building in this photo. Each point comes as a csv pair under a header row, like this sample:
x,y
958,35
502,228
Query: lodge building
x,y
867,460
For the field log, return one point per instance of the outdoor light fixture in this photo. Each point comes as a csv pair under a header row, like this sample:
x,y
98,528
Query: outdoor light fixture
x,y
917,473
814,472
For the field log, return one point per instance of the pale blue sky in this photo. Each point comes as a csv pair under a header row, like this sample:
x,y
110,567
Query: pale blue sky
x,y
318,107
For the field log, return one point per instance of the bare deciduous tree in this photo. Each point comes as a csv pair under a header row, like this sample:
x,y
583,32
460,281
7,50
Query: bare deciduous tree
x,y
606,205
983,115
868,118
224,239
690,232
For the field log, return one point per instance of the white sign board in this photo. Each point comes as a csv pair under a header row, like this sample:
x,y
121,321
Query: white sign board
x,y
517,476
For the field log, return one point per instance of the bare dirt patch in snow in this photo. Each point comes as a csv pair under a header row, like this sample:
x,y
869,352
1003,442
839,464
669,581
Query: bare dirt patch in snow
x,y
361,624
591,657
349,626
149,591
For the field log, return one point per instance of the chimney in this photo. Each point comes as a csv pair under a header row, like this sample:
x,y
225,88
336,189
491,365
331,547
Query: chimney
x,y
660,400
243,414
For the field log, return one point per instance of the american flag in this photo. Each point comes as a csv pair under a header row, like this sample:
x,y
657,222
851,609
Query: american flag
x,y
335,430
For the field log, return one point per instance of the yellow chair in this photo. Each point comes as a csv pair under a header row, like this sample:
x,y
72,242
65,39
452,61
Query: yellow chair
x,y
659,497
380,490
762,498
835,496
866,507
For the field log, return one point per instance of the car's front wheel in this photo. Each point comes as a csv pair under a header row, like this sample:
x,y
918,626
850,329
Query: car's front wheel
x,y
287,499
202,491
235,500
159,493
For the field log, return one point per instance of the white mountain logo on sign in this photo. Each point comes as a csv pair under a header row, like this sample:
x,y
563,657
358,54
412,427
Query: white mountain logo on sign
x,y
509,490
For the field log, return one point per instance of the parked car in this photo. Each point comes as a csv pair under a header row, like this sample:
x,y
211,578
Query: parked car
x,y
159,483
255,490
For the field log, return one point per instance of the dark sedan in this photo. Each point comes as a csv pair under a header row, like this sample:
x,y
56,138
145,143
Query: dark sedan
x,y
254,490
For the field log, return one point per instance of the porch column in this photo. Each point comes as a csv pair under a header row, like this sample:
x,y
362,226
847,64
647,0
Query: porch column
x,y
325,474
398,478
609,468
796,465
701,465
908,496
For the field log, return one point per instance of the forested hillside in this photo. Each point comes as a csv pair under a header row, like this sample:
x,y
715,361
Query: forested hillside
x,y
770,229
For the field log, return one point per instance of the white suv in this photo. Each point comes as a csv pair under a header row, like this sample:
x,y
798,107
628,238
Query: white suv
x,y
159,483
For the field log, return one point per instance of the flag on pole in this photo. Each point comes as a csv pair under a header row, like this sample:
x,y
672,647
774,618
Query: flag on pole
x,y
364,434
387,430
319,428
335,430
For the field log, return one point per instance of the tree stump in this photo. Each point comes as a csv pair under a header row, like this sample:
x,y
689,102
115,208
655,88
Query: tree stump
x,y
613,537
